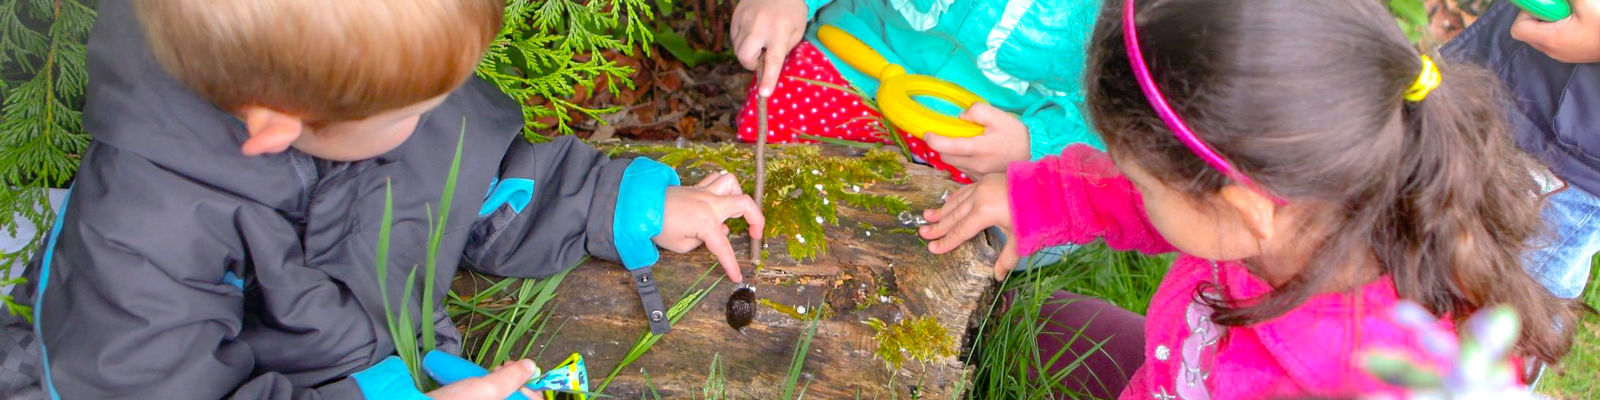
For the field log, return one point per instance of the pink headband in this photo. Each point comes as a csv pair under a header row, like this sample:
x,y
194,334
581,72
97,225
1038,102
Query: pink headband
x,y
1179,128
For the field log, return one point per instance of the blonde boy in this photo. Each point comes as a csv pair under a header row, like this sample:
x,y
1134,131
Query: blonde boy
x,y
220,237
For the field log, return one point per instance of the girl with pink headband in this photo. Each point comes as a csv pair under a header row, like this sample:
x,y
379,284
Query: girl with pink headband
x,y
1310,168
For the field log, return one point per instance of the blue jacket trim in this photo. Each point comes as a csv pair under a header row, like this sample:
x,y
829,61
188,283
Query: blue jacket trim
x,y
38,296
388,380
231,279
514,192
641,205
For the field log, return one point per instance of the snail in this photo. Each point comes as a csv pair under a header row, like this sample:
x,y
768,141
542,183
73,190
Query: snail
x,y
741,307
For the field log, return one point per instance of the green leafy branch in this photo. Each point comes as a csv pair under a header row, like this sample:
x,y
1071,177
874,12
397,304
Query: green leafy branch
x,y
41,127
549,50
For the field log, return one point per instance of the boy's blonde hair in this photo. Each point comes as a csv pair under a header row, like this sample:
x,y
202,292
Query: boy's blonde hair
x,y
322,60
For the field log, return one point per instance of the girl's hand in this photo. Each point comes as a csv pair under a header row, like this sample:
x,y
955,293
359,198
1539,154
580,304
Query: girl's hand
x,y
1575,39
968,212
763,31
1004,140
497,385
694,216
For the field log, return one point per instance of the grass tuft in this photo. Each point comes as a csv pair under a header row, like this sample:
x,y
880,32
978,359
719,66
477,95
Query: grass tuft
x,y
1005,353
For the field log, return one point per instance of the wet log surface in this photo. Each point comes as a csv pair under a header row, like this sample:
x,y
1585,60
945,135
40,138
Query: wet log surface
x,y
872,256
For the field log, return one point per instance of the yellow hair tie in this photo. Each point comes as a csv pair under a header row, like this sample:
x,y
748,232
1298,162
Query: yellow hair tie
x,y
1428,80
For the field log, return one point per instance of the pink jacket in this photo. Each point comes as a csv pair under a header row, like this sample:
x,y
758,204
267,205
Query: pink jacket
x,y
1080,196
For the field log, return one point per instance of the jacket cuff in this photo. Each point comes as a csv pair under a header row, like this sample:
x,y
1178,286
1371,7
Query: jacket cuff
x,y
388,380
1036,202
812,6
641,206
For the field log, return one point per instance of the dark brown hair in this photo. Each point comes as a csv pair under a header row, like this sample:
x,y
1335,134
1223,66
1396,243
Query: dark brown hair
x,y
1306,98
325,61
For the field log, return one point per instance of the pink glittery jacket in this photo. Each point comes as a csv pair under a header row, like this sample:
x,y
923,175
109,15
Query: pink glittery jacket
x,y
1080,196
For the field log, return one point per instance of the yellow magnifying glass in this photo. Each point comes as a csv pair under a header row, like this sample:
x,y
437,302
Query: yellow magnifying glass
x,y
896,88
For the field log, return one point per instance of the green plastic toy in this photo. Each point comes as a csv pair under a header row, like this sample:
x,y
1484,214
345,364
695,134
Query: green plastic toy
x,y
1547,10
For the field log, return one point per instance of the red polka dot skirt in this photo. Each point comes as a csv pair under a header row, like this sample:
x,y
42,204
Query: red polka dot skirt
x,y
799,108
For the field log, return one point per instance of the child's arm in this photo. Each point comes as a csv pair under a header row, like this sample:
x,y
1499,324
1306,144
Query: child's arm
x,y
559,200
569,200
764,31
141,296
1074,198
578,202
1078,197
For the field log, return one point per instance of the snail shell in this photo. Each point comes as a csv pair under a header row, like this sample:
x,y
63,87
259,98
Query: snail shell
x,y
741,307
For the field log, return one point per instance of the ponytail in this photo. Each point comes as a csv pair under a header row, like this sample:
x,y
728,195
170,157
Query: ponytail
x,y
1466,209
1320,103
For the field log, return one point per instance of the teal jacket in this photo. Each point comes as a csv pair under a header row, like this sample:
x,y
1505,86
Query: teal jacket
x,y
1022,56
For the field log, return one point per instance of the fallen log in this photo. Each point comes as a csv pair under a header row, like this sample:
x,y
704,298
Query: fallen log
x,y
874,267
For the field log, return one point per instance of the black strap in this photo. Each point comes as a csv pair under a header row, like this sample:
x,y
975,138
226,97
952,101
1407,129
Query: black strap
x,y
655,310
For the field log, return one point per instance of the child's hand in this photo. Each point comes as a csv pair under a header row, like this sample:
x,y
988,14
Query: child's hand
x,y
1575,39
496,385
1004,140
694,216
773,26
968,212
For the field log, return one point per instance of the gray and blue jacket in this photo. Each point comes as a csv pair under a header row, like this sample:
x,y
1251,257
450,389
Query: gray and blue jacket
x,y
180,269
1557,115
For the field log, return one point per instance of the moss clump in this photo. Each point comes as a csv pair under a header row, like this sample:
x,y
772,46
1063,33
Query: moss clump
x,y
804,187
920,339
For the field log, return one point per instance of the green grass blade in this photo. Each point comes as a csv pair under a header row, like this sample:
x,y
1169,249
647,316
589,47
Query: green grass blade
x,y
547,292
649,384
716,387
798,362
382,260
401,330
406,338
685,303
432,264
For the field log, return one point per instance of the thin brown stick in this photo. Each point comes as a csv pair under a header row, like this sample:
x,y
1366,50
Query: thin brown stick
x,y
761,172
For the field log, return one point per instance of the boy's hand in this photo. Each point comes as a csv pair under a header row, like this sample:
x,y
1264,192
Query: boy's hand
x,y
694,216
968,212
497,385
1575,39
1004,140
763,31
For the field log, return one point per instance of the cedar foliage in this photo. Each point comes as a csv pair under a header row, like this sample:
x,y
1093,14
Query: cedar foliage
x,y
549,50
42,78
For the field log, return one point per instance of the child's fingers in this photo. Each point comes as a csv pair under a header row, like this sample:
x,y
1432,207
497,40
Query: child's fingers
x,y
706,181
983,114
951,148
718,245
953,218
748,51
954,201
726,184
1536,32
503,381
742,206
771,66
1007,261
736,30
962,230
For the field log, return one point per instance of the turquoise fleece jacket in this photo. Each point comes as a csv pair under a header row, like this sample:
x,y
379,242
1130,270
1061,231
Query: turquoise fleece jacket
x,y
1023,56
